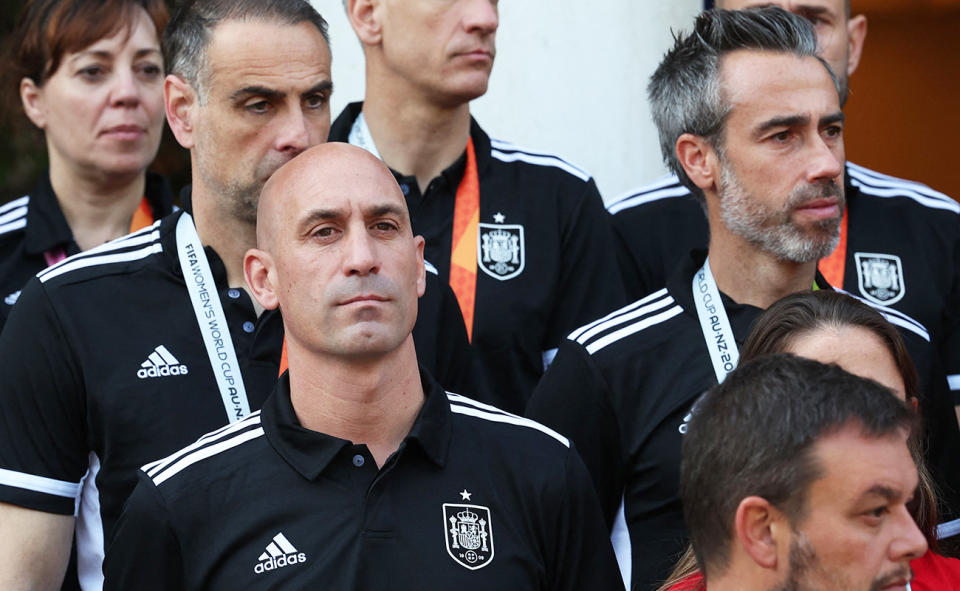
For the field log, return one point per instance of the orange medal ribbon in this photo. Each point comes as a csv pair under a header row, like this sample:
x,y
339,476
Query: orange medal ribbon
x,y
463,246
833,266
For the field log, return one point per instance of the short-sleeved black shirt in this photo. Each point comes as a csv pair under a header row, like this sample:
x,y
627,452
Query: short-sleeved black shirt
x,y
105,369
566,271
474,498
621,388
34,224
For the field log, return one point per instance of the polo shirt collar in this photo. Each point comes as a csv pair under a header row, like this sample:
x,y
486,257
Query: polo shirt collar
x,y
340,132
310,452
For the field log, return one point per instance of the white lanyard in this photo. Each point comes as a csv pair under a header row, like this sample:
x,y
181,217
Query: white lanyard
x,y
360,136
714,322
211,319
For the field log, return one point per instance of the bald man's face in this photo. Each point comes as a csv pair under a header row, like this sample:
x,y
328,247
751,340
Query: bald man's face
x,y
347,269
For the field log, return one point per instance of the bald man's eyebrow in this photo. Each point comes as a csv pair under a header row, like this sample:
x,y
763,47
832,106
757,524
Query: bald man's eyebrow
x,y
321,215
386,209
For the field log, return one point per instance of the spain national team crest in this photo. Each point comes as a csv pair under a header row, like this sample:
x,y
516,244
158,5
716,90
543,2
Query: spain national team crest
x,y
469,534
500,249
880,277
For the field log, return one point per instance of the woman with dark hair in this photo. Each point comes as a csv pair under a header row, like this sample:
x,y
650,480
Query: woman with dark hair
x,y
89,75
832,327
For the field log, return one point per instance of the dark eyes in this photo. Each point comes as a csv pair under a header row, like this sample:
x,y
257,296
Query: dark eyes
x,y
315,101
98,73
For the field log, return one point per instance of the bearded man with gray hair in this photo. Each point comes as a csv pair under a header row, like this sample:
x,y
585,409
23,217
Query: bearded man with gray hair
x,y
749,118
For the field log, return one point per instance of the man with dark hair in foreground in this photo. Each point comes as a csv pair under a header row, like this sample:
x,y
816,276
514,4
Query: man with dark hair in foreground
x,y
797,475
360,472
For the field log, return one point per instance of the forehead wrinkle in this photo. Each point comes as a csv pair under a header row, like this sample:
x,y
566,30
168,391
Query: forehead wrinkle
x,y
256,64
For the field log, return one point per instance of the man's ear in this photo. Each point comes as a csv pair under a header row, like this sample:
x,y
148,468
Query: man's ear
x,y
32,98
857,34
760,528
258,270
363,18
180,101
422,276
698,159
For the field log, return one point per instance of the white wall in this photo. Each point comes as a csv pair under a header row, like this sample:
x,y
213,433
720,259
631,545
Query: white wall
x,y
569,78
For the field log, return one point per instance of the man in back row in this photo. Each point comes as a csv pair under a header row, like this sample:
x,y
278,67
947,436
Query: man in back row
x,y
129,351
521,236
360,472
900,243
750,118
815,500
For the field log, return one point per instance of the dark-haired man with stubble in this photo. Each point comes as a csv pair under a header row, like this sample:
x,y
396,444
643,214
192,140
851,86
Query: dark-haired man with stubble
x,y
816,498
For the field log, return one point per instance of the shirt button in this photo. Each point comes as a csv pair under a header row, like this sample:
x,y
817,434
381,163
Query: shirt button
x,y
233,293
404,188
248,327
358,460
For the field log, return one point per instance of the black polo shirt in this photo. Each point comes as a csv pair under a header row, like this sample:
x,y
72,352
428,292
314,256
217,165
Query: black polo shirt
x,y
622,388
903,248
568,273
34,224
80,411
474,498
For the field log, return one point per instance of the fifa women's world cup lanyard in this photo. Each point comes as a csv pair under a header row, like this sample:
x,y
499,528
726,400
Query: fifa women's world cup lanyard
x,y
211,319
714,322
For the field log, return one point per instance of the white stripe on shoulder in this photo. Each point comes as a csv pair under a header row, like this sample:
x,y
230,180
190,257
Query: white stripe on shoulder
x,y
881,185
507,152
154,468
645,310
626,331
42,484
461,399
954,382
16,224
642,301
13,215
895,317
15,204
430,267
490,413
205,453
636,199
110,252
68,265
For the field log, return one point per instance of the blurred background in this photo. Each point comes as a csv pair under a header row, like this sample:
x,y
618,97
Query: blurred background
x,y
570,79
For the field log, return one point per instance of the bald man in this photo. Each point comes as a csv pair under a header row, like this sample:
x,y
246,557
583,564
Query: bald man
x,y
360,472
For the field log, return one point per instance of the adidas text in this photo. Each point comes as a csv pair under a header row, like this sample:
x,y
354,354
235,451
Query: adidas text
x,y
279,562
162,371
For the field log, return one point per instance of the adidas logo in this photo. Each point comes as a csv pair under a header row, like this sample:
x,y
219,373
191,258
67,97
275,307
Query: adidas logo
x,y
12,298
161,363
280,553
